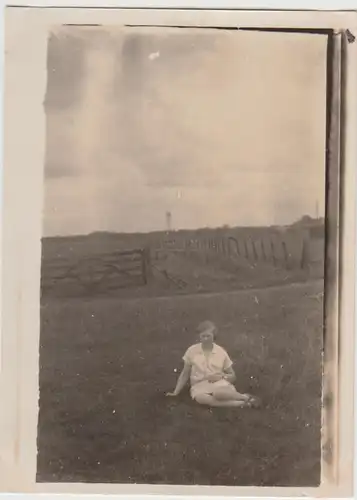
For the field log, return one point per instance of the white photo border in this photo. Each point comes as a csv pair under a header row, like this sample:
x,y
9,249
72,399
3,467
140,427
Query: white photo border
x,y
24,124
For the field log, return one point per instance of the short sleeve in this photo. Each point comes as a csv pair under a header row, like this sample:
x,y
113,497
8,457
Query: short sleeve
x,y
227,362
187,357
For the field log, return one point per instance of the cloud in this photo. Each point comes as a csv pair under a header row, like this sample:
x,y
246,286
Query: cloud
x,y
240,133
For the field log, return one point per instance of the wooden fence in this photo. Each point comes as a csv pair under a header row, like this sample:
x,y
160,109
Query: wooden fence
x,y
274,250
121,269
294,251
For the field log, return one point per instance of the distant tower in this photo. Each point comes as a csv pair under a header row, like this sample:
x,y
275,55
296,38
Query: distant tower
x,y
317,210
168,221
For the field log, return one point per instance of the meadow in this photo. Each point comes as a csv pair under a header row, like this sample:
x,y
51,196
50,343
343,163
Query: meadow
x,y
106,363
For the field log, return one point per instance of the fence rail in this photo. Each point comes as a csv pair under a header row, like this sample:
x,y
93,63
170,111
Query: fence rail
x,y
120,269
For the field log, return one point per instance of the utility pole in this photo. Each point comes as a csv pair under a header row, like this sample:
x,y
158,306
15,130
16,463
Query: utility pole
x,y
168,221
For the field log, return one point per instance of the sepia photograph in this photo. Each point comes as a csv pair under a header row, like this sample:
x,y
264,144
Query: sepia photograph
x,y
178,252
182,265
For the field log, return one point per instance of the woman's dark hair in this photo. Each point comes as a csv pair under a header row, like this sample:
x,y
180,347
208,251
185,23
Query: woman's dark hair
x,y
206,325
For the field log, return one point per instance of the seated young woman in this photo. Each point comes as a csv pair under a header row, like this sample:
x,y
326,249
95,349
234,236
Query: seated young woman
x,y
210,371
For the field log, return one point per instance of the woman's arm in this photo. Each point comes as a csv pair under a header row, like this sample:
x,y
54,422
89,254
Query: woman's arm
x,y
182,380
229,375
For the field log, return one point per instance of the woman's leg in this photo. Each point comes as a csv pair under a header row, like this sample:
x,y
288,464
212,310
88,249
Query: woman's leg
x,y
210,400
230,393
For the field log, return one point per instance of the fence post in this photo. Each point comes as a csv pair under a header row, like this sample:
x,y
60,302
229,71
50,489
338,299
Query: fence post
x,y
221,245
286,255
143,267
228,246
146,265
216,244
304,254
254,251
263,250
231,238
246,249
224,246
273,252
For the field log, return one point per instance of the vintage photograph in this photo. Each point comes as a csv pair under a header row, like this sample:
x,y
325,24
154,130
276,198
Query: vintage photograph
x,y
182,268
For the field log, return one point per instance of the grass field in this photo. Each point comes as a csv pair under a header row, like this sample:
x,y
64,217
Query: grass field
x,y
106,364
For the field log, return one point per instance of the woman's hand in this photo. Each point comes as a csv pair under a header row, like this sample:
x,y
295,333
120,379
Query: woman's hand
x,y
215,377
181,381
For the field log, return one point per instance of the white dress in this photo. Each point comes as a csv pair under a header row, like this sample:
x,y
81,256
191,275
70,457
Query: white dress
x,y
204,365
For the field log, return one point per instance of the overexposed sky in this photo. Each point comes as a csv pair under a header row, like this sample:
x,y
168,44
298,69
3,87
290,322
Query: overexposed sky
x,y
218,127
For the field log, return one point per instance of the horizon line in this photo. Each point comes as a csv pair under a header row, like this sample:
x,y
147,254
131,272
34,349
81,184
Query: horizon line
x,y
163,231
